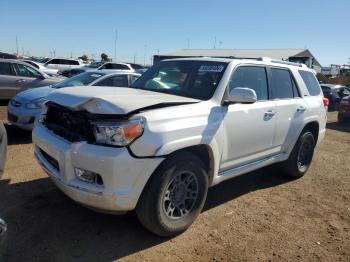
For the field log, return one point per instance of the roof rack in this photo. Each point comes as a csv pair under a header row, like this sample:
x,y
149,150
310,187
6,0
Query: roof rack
x,y
263,59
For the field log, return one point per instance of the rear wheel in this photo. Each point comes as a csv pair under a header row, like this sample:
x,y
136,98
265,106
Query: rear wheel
x,y
174,196
301,156
341,119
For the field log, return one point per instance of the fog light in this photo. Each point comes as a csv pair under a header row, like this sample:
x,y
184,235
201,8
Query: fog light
x,y
88,176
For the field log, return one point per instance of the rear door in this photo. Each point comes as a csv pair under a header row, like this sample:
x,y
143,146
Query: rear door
x,y
8,81
290,107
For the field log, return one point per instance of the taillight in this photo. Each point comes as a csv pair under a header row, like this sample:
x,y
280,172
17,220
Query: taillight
x,y
325,102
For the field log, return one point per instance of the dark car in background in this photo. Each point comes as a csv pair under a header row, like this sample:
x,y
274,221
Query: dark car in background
x,y
17,76
344,110
334,93
76,71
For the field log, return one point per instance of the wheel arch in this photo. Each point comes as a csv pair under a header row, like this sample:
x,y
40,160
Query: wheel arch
x,y
313,127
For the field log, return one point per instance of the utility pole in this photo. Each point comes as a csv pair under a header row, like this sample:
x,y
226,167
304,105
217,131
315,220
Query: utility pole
x,y
17,45
134,58
144,56
54,53
115,45
214,42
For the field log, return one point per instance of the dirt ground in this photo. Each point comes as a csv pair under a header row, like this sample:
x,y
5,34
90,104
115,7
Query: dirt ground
x,y
260,216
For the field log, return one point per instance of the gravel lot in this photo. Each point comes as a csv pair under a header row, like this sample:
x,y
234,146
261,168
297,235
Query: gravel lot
x,y
260,216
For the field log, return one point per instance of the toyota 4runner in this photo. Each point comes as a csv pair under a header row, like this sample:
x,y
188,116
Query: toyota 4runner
x,y
183,126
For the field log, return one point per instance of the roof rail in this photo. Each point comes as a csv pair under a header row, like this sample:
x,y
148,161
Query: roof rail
x,y
286,63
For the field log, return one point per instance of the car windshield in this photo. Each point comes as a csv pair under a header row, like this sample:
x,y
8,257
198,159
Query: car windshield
x,y
82,79
194,79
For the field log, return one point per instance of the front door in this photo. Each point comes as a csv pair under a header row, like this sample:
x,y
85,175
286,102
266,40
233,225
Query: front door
x,y
249,128
28,77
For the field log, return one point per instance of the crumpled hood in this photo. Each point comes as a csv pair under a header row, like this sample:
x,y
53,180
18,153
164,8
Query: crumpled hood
x,y
113,100
35,93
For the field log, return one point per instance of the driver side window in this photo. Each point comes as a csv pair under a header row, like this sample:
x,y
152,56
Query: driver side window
x,y
26,71
253,77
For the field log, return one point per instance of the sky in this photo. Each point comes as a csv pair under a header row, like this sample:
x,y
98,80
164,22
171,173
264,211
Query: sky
x,y
145,28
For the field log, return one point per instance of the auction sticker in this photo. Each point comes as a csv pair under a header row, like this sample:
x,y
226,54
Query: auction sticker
x,y
211,68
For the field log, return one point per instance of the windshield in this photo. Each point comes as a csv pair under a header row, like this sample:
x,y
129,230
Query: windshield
x,y
82,79
194,79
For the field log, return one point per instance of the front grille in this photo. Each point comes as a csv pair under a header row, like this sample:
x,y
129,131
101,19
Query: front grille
x,y
12,117
73,126
51,160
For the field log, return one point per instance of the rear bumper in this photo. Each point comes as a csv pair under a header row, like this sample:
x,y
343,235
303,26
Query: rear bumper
x,y
124,177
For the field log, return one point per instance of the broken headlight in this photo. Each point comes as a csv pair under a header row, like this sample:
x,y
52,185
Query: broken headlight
x,y
118,133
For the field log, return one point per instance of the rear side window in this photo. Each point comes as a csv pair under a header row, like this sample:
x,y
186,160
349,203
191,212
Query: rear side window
x,y
115,66
310,82
119,80
281,84
5,69
72,62
135,66
251,77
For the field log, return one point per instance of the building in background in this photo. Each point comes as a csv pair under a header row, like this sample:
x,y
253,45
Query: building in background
x,y
293,55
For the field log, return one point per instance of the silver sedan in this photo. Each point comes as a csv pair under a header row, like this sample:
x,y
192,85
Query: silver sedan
x,y
25,107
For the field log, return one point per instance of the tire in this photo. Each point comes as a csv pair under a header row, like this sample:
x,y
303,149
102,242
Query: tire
x,y
341,119
163,198
301,156
336,105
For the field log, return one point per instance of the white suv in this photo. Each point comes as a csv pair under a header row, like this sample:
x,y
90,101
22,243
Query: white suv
x,y
63,64
186,125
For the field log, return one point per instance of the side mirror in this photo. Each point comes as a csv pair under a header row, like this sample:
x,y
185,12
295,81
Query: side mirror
x,y
41,76
242,95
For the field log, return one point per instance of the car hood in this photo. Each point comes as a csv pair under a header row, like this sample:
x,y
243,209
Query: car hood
x,y
114,100
35,93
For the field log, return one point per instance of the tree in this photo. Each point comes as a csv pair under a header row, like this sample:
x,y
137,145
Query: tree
x,y
104,57
84,58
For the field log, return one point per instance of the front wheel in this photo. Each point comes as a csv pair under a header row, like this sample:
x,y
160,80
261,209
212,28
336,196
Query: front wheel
x,y
301,156
174,196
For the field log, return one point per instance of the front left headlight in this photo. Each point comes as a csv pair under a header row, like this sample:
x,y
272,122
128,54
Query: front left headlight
x,y
36,104
119,133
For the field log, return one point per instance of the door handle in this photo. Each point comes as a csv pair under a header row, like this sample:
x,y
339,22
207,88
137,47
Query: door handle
x,y
20,80
269,113
301,109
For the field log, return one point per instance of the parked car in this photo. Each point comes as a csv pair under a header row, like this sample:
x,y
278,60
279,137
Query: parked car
x,y
334,93
122,66
344,110
7,56
62,64
185,125
76,71
26,106
48,71
3,149
17,76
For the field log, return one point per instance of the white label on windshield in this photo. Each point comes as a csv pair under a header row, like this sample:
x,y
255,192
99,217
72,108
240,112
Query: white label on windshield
x,y
95,75
211,68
